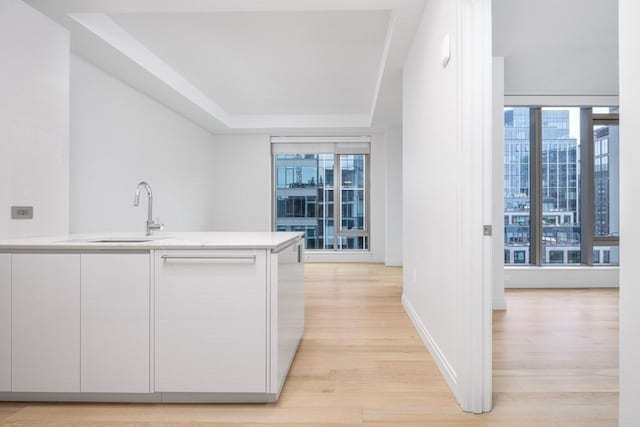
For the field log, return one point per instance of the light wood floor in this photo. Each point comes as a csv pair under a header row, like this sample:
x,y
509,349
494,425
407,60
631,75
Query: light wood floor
x,y
362,363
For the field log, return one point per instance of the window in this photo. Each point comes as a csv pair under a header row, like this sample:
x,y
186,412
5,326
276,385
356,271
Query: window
x,y
560,176
517,202
574,257
606,180
606,255
556,257
323,190
561,184
520,257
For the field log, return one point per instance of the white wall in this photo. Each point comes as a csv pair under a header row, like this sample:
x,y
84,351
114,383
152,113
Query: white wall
x,y
555,47
242,173
34,121
629,205
431,188
393,220
378,222
120,137
499,302
560,277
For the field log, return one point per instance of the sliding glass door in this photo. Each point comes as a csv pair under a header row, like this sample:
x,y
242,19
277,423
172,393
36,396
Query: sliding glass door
x,y
605,186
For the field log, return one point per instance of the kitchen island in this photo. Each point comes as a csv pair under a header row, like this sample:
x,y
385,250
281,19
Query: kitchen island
x,y
176,317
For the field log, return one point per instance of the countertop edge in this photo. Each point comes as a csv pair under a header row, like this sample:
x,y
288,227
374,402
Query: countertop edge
x,y
70,246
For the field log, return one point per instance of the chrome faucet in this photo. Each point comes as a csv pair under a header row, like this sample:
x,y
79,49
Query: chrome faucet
x,y
151,224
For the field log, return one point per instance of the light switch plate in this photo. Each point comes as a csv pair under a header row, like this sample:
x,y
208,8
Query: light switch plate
x,y
21,212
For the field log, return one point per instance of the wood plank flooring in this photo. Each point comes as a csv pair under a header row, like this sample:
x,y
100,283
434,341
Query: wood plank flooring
x,y
362,363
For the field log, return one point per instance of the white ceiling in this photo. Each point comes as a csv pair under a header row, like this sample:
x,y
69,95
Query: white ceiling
x,y
269,62
251,64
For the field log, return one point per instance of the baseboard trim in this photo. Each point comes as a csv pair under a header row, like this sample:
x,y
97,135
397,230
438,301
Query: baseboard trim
x,y
393,263
158,397
499,304
443,364
20,396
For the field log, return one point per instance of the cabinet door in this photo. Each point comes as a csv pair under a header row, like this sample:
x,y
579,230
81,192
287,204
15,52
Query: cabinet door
x,y
115,323
210,321
5,322
46,322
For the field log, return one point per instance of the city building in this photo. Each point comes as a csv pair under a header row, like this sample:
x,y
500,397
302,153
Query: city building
x,y
305,199
606,191
560,187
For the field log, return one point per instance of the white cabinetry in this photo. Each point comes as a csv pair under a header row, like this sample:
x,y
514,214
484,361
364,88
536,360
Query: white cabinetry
x,y
218,321
115,323
287,271
211,314
46,322
5,322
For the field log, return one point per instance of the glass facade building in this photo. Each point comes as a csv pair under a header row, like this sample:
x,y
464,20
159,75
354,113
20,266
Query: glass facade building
x,y
559,216
560,187
517,202
561,232
306,199
606,185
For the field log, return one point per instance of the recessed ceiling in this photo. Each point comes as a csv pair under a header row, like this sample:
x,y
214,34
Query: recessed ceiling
x,y
249,64
271,62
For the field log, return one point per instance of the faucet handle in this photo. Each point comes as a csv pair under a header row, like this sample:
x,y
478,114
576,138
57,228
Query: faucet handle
x,y
156,225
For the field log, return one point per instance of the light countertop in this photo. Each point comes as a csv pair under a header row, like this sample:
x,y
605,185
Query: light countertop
x,y
163,240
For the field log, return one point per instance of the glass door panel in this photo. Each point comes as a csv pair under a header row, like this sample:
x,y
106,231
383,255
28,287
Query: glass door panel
x,y
517,199
352,202
606,181
561,232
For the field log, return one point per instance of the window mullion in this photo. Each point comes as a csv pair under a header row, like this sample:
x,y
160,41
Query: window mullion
x,y
535,187
586,186
337,199
367,195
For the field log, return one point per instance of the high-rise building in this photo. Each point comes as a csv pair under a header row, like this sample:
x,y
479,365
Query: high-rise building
x,y
606,190
516,185
560,187
305,198
606,186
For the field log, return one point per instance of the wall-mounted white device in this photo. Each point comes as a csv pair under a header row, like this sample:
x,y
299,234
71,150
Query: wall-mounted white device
x,y
445,50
